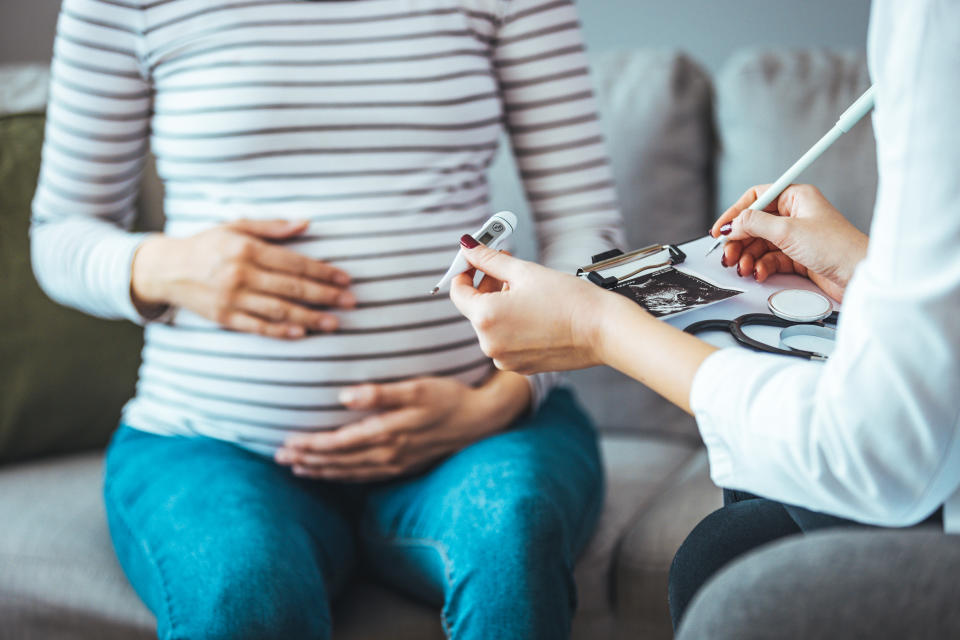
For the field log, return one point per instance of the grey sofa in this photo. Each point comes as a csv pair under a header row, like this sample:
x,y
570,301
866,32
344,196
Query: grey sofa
x,y
682,144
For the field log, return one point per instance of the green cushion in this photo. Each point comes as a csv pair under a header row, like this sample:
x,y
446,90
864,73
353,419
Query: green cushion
x,y
63,375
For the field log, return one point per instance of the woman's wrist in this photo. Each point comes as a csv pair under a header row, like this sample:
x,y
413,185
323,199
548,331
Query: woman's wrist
x,y
496,404
146,290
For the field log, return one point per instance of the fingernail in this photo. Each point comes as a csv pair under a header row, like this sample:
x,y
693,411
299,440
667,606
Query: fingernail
x,y
282,456
329,324
342,279
468,241
726,229
346,299
295,332
738,270
347,396
754,274
723,261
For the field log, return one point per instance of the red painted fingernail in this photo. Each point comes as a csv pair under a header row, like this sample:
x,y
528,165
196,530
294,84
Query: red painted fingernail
x,y
467,241
726,229
738,270
723,261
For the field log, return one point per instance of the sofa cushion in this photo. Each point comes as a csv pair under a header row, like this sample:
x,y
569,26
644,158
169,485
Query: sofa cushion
x,y
773,105
648,547
655,109
60,579
64,375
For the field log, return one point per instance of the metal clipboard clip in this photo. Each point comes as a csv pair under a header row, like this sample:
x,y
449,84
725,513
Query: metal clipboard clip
x,y
617,264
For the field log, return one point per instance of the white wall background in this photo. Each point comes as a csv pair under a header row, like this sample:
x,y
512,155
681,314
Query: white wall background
x,y
707,29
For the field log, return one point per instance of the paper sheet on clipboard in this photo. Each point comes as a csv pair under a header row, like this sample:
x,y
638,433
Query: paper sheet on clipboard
x,y
648,277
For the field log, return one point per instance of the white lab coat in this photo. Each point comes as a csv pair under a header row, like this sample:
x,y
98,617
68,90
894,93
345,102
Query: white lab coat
x,y
872,435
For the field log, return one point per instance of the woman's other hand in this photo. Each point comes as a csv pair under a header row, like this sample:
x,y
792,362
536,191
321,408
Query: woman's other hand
x,y
418,422
806,235
530,318
233,275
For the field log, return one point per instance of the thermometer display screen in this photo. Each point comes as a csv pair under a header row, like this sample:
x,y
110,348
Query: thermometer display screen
x,y
485,238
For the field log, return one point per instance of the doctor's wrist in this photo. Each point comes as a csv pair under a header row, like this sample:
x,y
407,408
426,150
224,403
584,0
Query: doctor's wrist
x,y
613,311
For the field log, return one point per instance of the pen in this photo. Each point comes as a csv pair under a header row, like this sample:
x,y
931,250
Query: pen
x,y
493,233
848,118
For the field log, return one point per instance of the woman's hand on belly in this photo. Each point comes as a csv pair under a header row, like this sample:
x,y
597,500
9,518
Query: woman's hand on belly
x,y
418,422
233,275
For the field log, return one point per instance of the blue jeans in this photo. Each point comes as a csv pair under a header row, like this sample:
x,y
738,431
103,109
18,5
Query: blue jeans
x,y
223,543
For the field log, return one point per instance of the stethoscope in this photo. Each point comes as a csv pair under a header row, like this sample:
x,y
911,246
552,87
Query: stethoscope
x,y
790,329
792,311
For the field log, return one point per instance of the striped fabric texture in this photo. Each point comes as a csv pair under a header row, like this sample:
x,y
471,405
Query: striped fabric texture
x,y
374,119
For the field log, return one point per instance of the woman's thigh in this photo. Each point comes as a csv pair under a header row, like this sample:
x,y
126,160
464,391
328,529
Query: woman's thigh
x,y
223,543
494,531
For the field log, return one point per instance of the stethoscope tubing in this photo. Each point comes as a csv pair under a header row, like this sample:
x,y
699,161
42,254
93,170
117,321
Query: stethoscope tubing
x,y
735,329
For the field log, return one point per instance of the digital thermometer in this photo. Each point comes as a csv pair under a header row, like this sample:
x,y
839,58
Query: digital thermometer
x,y
493,233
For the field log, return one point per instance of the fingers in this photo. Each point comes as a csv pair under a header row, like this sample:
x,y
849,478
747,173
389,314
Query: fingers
x,y
489,284
300,289
369,432
270,229
748,198
287,261
281,311
498,264
759,224
381,396
464,297
771,263
752,251
363,457
731,253
239,321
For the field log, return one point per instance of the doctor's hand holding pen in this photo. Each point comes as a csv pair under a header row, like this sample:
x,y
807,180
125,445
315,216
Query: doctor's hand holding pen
x,y
534,319
806,235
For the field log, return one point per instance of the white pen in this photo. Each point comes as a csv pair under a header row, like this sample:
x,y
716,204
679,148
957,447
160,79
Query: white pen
x,y
847,119
493,233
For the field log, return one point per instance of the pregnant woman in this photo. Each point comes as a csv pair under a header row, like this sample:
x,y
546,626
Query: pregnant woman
x,y
303,404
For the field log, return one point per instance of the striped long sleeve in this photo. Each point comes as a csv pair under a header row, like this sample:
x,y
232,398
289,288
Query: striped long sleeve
x,y
95,143
554,128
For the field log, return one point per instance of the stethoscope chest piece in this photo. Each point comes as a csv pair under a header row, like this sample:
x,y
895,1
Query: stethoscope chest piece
x,y
799,305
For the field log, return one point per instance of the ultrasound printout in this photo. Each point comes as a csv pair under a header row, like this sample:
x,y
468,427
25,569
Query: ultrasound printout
x,y
669,292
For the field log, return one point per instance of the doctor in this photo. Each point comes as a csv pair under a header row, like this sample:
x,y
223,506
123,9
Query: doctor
x,y
870,437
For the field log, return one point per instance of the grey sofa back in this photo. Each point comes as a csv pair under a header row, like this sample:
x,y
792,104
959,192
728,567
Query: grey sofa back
x,y
773,105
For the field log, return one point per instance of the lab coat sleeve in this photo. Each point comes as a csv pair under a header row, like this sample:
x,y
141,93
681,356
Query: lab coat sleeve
x,y
872,434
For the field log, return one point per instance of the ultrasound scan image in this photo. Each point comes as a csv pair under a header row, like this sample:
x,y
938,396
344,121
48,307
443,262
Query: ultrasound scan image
x,y
669,292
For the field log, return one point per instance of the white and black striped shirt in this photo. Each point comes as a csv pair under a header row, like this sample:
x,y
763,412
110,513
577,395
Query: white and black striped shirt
x,y
374,119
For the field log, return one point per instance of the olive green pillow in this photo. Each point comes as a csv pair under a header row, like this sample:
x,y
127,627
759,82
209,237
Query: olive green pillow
x,y
63,375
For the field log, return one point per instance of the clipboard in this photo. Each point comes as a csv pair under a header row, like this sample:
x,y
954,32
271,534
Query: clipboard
x,y
651,278
610,268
